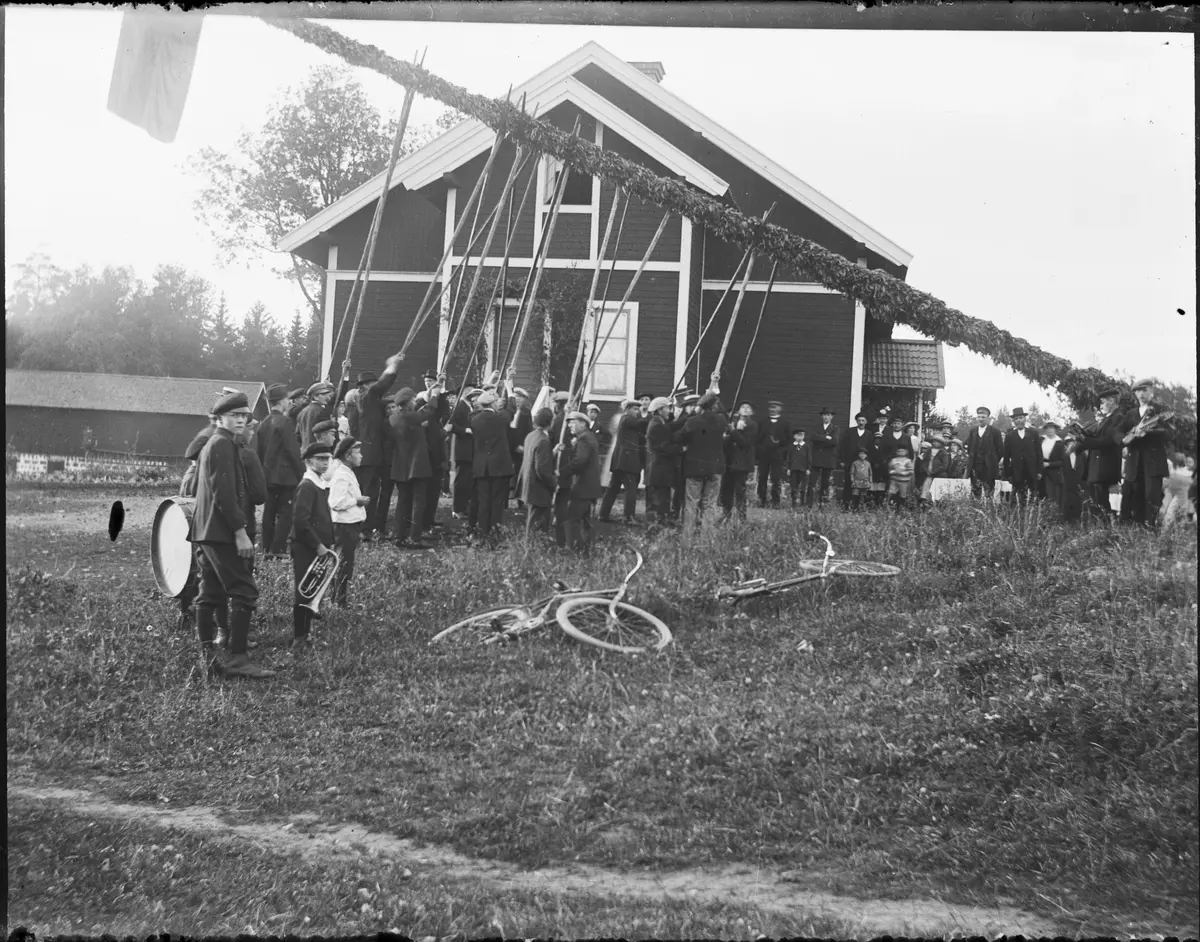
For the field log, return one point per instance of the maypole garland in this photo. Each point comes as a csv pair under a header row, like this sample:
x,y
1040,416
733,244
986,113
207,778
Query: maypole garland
x,y
885,297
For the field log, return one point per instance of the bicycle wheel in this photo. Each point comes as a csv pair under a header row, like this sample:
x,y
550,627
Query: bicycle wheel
x,y
483,625
850,567
633,631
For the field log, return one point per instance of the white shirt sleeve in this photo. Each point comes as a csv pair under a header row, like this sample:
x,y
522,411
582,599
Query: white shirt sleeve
x,y
341,492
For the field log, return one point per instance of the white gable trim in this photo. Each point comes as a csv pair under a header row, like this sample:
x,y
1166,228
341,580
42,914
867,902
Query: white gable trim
x,y
471,138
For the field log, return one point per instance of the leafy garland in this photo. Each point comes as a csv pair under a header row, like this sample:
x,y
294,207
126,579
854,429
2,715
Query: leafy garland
x,y
884,296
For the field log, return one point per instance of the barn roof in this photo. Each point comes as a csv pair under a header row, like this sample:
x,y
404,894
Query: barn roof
x,y
115,392
471,137
907,364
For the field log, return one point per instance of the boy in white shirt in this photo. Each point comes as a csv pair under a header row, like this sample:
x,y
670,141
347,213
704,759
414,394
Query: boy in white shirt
x,y
348,507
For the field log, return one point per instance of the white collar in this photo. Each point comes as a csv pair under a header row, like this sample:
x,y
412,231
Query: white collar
x,y
311,475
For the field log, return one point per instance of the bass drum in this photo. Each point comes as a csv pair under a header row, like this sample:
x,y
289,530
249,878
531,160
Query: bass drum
x,y
171,555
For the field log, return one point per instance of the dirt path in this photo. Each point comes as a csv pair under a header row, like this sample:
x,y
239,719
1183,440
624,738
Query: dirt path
x,y
770,891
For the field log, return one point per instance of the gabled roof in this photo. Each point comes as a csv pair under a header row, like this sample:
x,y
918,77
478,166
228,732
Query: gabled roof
x,y
117,392
907,364
446,152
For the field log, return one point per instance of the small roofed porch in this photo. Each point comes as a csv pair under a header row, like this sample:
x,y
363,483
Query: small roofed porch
x,y
903,376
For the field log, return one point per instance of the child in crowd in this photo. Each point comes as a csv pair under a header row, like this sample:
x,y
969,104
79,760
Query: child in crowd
x,y
900,476
349,511
799,461
958,460
312,532
860,479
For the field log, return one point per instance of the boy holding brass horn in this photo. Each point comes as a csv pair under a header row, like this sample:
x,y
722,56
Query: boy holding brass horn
x,y
312,532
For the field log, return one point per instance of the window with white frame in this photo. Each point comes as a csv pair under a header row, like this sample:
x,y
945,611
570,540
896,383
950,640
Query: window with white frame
x,y
614,335
579,185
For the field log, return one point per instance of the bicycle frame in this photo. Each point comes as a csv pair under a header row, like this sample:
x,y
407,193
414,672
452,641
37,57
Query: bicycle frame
x,y
753,588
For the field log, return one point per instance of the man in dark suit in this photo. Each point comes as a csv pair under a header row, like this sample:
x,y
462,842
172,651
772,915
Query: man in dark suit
x,y
825,441
1103,446
1146,460
462,448
662,456
771,449
985,451
581,479
411,467
319,395
520,427
1022,457
858,438
436,443
278,451
703,438
538,478
493,465
371,420
596,427
741,438
625,468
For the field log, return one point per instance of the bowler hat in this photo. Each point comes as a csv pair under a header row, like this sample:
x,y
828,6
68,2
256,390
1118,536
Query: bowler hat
x,y
231,401
825,410
366,377
1142,384
316,450
343,447
1017,413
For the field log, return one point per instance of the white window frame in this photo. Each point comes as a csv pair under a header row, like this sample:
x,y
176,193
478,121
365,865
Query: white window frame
x,y
631,316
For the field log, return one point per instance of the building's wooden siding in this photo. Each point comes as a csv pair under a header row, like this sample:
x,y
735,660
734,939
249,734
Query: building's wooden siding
x,y
802,357
411,237
43,430
572,236
642,219
388,310
750,192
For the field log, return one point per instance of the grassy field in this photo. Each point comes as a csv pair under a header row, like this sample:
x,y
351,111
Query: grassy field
x,y
1012,719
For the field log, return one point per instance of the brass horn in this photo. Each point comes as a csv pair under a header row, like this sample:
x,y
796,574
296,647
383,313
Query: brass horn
x,y
317,579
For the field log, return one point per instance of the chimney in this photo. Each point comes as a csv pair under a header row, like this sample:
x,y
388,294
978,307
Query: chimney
x,y
654,70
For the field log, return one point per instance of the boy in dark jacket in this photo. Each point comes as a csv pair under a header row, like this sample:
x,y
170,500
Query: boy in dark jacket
x,y
741,438
312,531
799,462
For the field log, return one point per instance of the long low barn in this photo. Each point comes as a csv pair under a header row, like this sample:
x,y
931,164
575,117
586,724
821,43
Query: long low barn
x,y
816,347
75,414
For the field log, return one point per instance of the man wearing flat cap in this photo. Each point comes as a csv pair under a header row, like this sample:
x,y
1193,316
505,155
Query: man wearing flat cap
x,y
412,469
354,400
319,396
771,449
702,436
218,527
858,438
596,427
580,478
1022,457
625,466
278,451
538,477
493,467
1146,458
985,452
825,441
662,457
741,440
312,533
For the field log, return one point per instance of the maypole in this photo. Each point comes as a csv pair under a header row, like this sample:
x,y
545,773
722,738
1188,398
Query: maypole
x,y
761,311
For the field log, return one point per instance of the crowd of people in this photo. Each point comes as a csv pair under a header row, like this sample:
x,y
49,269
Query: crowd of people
x,y
325,475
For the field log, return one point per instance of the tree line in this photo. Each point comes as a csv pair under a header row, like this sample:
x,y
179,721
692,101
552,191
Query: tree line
x,y
177,324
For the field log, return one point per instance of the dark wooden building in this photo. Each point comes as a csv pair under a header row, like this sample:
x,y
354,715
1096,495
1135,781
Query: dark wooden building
x,y
75,414
811,348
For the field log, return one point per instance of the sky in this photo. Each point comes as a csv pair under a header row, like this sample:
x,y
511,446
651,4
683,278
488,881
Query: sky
x,y
1042,181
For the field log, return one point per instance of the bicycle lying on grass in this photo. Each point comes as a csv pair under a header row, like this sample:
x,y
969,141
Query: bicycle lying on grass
x,y
598,617
814,570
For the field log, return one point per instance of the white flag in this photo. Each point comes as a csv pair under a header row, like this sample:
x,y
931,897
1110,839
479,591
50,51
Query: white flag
x,y
153,69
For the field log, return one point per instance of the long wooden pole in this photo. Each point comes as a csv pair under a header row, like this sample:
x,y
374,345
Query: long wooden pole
x,y
593,359
525,311
737,306
518,163
368,257
761,311
613,267
713,318
476,193
583,331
